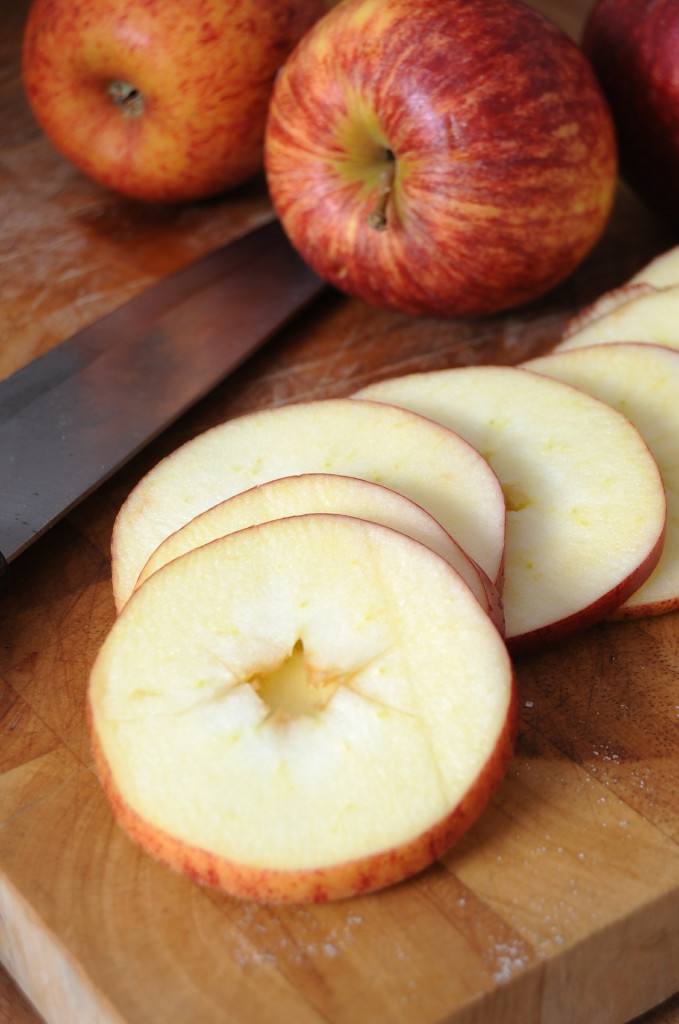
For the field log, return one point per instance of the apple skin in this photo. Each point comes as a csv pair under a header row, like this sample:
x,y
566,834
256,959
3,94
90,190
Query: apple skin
x,y
202,73
633,46
267,885
493,126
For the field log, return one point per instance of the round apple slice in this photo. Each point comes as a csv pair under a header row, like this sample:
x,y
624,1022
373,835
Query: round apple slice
x,y
650,316
324,492
585,501
307,709
418,458
642,381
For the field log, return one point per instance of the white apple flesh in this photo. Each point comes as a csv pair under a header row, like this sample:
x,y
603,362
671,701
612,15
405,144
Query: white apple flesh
x,y
307,709
325,492
642,382
586,506
408,453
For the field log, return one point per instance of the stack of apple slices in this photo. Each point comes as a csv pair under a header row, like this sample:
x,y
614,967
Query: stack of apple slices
x,y
322,492
308,691
420,459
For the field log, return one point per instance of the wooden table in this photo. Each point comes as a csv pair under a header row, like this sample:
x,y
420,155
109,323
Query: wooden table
x,y
560,906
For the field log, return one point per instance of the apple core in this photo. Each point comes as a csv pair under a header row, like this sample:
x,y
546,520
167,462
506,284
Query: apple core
x,y
294,688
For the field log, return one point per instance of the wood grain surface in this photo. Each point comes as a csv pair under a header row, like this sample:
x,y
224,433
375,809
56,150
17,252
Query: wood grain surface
x,y
561,906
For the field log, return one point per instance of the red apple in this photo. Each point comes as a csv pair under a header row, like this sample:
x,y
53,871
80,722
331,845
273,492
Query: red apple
x,y
440,157
633,46
161,101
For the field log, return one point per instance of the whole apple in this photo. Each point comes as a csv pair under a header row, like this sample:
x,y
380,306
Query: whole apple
x,y
440,157
633,46
160,100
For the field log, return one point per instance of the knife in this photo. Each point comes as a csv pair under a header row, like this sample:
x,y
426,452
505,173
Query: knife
x,y
75,415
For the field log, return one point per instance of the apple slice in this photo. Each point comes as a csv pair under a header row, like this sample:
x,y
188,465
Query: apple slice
x,y
651,316
605,304
585,501
642,381
420,459
307,709
324,492
661,272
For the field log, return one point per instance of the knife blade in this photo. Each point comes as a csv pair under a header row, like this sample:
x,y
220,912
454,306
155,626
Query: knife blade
x,y
75,415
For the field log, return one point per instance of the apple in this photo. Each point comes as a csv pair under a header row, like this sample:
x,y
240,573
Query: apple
x,y
440,157
159,101
633,46
304,710
586,506
641,381
642,313
326,492
420,459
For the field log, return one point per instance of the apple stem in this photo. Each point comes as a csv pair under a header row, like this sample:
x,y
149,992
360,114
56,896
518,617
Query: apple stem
x,y
125,96
378,218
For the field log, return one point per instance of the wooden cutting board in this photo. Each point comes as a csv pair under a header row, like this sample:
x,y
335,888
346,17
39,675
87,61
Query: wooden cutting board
x,y
561,906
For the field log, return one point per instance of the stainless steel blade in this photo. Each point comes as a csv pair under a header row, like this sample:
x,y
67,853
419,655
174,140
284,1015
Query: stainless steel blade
x,y
73,417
